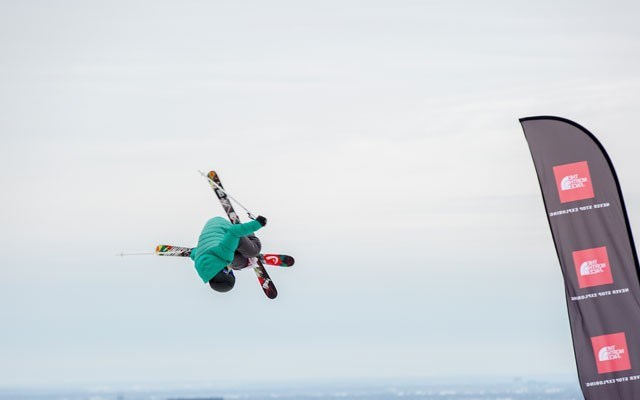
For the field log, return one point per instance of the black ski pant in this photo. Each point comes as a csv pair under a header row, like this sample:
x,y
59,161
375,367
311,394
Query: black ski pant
x,y
248,247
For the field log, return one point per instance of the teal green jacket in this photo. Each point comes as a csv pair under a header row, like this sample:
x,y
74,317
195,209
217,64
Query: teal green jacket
x,y
217,244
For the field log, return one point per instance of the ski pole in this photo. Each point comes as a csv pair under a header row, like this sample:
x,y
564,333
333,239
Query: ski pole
x,y
159,253
249,213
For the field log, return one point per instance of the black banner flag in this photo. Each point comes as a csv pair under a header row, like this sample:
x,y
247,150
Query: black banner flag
x,y
597,254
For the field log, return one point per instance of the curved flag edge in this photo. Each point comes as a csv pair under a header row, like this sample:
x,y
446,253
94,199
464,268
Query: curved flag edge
x,y
613,172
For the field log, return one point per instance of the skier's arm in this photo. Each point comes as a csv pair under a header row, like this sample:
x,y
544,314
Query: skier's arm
x,y
193,253
245,229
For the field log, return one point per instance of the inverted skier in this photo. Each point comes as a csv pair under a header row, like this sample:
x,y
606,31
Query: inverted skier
x,y
223,247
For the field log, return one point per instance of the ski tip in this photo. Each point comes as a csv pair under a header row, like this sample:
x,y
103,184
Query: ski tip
x,y
211,175
277,260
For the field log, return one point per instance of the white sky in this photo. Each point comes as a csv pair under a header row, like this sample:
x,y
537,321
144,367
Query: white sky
x,y
380,138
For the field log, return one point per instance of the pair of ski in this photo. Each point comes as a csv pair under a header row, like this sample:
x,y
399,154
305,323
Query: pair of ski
x,y
270,259
263,277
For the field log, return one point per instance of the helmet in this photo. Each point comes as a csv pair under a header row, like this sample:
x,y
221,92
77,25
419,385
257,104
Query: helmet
x,y
223,281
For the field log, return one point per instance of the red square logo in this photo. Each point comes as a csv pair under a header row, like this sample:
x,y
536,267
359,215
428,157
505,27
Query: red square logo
x,y
592,267
574,181
611,353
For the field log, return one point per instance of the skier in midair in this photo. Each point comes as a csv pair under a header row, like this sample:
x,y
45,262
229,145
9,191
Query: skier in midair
x,y
223,247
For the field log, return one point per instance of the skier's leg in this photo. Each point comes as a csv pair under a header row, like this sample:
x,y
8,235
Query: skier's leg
x,y
249,246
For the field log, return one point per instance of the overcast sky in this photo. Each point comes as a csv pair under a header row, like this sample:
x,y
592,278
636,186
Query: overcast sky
x,y
380,139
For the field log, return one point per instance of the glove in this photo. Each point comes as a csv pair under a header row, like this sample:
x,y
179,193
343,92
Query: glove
x,y
262,220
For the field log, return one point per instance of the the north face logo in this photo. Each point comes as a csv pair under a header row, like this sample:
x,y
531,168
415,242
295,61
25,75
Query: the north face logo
x,y
611,352
592,267
574,181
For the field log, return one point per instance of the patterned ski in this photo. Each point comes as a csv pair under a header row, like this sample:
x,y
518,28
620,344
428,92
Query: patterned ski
x,y
277,260
175,251
274,260
263,277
